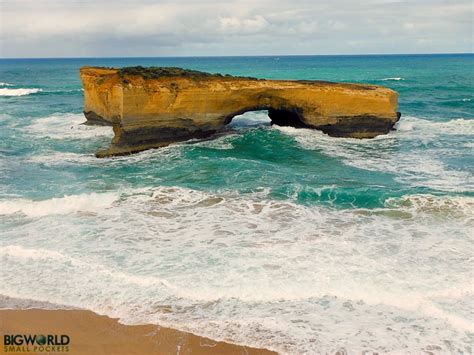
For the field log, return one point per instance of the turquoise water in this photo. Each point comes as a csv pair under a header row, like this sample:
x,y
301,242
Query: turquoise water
x,y
268,236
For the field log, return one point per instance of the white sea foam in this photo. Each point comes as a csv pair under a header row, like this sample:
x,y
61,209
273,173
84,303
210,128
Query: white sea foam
x,y
55,158
64,90
92,202
151,156
246,268
5,84
430,128
391,153
451,206
45,255
18,92
67,126
17,302
25,253
393,79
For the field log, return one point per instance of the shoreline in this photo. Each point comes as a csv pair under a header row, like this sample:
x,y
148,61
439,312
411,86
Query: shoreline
x,y
91,333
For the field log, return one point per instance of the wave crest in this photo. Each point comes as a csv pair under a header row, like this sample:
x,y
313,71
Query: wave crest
x,y
450,206
18,92
214,255
91,203
390,154
67,126
393,79
459,126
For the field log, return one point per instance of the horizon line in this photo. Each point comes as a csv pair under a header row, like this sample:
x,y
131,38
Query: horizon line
x,y
252,55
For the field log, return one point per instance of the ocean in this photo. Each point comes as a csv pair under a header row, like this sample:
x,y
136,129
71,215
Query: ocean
x,y
268,236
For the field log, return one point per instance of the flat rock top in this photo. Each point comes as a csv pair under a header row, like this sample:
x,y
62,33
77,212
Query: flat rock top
x,y
156,73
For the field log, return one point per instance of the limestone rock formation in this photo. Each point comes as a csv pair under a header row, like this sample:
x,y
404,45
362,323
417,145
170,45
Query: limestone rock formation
x,y
153,107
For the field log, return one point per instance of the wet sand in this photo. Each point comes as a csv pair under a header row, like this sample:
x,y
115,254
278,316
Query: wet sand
x,y
91,333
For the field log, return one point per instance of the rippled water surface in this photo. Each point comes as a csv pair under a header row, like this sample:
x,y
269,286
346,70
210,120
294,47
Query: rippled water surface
x,y
269,236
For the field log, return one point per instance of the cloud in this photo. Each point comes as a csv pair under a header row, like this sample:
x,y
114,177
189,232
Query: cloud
x,y
237,25
51,28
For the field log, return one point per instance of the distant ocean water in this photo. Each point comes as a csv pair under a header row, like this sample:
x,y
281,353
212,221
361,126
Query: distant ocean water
x,y
270,236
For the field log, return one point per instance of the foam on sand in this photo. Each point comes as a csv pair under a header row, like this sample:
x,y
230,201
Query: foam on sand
x,y
81,326
243,267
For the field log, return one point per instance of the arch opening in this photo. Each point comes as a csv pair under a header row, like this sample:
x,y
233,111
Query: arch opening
x,y
292,117
250,119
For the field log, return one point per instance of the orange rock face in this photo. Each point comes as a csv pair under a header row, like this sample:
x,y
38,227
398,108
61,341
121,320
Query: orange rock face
x,y
153,107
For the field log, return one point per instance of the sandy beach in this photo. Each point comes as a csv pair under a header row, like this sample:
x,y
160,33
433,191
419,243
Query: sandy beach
x,y
91,333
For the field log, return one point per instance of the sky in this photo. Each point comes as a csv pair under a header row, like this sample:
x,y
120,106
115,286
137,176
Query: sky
x,y
119,28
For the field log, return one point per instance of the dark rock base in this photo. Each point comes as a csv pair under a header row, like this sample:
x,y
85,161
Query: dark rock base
x,y
94,119
133,141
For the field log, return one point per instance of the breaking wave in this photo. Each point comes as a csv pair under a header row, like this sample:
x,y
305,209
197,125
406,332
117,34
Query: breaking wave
x,y
393,79
67,126
451,206
388,153
93,202
459,126
244,258
54,158
18,92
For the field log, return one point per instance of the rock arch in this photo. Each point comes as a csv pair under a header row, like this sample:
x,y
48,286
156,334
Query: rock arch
x,y
153,107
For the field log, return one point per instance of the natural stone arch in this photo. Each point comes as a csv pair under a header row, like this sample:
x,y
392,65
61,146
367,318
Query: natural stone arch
x,y
153,107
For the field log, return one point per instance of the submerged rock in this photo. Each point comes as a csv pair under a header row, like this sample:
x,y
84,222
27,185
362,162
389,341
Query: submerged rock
x,y
153,107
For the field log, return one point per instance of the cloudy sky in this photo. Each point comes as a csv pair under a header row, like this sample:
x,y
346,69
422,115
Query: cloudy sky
x,y
74,28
